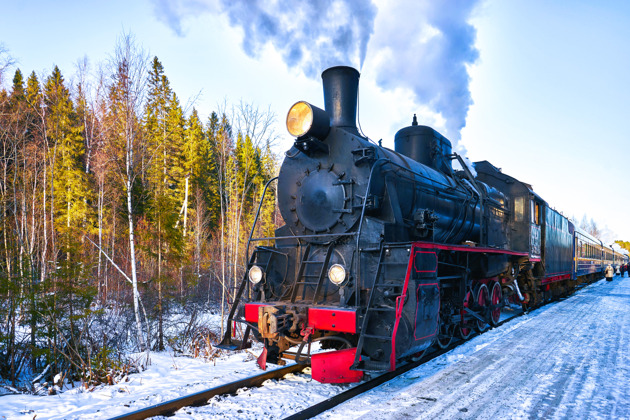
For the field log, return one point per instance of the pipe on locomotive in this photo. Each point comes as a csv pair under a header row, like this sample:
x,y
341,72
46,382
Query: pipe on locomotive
x,y
341,87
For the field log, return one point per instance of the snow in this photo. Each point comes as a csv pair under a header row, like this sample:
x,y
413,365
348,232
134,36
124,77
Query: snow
x,y
166,378
568,359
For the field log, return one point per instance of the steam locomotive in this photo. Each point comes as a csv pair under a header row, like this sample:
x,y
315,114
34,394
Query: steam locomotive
x,y
386,252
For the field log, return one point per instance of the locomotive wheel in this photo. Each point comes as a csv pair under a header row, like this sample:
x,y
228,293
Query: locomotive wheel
x,y
465,328
483,302
464,332
445,336
495,299
416,357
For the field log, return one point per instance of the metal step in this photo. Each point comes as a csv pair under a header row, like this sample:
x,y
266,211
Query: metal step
x,y
383,309
371,365
378,337
449,278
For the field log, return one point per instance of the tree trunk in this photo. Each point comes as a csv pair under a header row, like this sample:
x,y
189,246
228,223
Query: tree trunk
x,y
134,276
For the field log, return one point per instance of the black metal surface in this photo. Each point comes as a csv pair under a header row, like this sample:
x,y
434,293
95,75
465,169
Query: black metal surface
x,y
426,146
341,86
201,398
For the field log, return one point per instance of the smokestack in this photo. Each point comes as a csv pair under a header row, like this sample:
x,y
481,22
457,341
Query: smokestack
x,y
341,85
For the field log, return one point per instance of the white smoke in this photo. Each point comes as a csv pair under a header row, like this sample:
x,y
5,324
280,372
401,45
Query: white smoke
x,y
426,46
423,46
312,35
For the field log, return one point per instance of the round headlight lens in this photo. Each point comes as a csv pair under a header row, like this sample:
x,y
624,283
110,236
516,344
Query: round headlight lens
x,y
337,274
255,274
299,119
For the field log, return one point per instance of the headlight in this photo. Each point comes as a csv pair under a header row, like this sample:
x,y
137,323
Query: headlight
x,y
299,119
255,274
306,119
337,274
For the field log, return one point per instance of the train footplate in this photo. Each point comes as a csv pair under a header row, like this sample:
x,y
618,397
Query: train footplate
x,y
333,367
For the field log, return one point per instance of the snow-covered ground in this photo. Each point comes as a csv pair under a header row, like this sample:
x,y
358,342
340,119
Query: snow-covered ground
x,y
570,359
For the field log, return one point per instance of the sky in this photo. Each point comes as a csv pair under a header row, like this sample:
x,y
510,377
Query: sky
x,y
538,88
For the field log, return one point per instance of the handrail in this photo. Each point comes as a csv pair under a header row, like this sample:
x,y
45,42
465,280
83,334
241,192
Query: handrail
x,y
251,232
365,197
482,197
319,235
383,161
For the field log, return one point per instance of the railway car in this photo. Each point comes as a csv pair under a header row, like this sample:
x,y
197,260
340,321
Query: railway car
x,y
608,256
540,231
589,256
618,259
387,252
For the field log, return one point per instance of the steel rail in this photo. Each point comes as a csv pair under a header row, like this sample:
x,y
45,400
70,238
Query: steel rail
x,y
202,397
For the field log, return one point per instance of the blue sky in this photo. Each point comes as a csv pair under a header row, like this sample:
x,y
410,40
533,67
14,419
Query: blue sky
x,y
550,84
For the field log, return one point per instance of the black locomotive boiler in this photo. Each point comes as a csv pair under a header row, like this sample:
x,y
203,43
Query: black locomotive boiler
x,y
386,252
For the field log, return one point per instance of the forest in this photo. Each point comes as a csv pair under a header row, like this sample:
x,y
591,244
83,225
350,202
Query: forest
x,y
120,207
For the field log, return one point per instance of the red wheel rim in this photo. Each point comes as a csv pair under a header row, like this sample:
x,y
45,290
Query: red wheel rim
x,y
495,300
483,302
464,327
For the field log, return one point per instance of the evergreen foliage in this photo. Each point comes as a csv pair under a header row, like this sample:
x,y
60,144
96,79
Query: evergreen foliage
x,y
624,244
107,184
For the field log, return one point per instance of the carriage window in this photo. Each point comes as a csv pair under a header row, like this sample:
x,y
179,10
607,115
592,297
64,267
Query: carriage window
x,y
519,209
535,213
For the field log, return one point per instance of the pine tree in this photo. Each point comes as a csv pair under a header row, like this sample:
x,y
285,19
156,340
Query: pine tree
x,y
70,192
165,180
194,206
210,176
71,189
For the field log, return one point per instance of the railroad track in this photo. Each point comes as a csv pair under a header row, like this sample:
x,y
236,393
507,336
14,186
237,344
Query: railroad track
x,y
201,398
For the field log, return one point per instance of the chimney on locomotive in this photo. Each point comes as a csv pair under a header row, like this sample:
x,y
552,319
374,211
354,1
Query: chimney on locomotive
x,y
310,125
341,86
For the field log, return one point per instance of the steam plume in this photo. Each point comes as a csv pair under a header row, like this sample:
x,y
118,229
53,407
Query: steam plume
x,y
312,35
426,46
420,45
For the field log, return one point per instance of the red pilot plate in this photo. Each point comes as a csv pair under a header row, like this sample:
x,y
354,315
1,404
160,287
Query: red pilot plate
x,y
251,312
332,319
333,367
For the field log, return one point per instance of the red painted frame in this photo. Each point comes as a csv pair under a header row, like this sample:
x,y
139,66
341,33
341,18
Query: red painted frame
x,y
431,245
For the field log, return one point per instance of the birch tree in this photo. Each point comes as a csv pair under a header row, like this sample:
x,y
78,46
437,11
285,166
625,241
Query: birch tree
x,y
125,148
